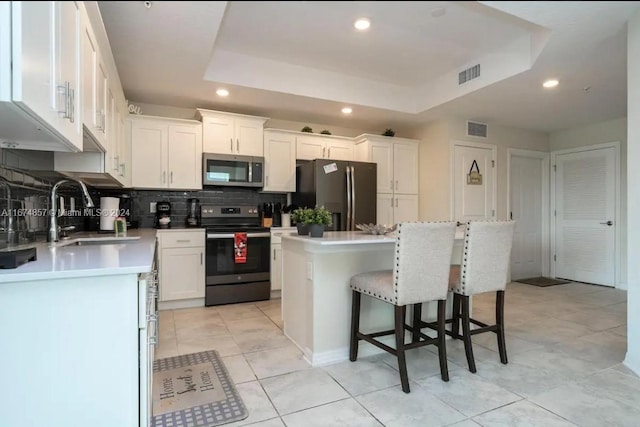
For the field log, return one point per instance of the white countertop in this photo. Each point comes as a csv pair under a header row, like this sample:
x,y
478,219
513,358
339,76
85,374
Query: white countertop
x,y
60,261
334,238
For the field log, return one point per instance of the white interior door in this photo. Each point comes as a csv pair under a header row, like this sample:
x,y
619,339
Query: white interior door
x,y
473,200
585,203
526,208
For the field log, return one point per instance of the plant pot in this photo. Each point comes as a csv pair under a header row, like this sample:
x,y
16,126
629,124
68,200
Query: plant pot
x,y
316,230
303,229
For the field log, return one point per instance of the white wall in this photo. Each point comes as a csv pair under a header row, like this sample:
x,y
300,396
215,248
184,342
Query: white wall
x,y
434,171
633,179
435,163
598,133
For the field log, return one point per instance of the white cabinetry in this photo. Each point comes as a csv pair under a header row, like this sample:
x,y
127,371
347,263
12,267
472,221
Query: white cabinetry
x,y
397,160
182,270
105,160
279,161
309,147
40,76
166,153
276,257
227,133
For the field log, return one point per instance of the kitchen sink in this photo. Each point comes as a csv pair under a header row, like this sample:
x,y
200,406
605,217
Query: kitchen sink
x,y
93,241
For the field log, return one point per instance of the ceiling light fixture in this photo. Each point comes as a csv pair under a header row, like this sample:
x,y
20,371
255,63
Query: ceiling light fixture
x,y
438,12
347,110
222,92
362,24
550,83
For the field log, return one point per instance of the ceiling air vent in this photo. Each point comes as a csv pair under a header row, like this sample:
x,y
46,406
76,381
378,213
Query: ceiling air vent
x,y
477,129
469,74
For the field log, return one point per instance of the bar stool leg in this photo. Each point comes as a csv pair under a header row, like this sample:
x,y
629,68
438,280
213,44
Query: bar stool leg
x,y
455,322
402,363
417,319
442,347
466,333
502,348
355,325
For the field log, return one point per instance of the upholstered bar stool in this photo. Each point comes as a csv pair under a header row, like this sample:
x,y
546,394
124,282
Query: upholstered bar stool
x,y
484,268
420,274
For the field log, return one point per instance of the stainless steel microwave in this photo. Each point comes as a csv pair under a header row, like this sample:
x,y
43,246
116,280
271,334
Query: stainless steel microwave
x,y
231,170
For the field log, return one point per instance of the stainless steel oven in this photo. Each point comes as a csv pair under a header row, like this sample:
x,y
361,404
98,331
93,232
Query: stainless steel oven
x,y
231,170
227,280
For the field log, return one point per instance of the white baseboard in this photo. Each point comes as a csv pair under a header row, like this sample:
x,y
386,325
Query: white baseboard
x,y
632,363
275,294
183,303
342,354
622,286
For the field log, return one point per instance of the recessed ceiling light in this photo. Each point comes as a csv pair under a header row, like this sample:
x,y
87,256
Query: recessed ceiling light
x,y
347,110
438,12
362,24
550,83
222,92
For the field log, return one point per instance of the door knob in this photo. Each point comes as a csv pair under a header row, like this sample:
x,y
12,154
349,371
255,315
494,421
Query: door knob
x,y
609,223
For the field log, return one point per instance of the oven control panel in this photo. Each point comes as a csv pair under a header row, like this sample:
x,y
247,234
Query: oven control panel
x,y
209,211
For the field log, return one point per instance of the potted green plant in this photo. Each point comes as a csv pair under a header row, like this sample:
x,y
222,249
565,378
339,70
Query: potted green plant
x,y
325,132
300,217
388,132
306,129
318,219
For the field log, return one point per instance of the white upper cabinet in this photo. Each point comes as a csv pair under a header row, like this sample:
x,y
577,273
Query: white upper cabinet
x,y
105,160
405,167
279,161
317,146
166,153
39,76
95,85
397,160
227,133
67,71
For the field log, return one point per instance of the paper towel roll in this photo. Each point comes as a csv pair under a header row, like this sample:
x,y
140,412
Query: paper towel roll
x,y
109,207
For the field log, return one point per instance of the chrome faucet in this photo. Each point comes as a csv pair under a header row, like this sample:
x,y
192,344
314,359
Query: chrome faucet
x,y
12,236
53,206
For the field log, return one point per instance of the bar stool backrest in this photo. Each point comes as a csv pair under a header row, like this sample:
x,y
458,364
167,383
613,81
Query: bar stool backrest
x,y
422,261
485,258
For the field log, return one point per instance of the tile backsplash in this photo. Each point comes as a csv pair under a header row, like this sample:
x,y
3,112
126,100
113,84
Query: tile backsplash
x,y
141,200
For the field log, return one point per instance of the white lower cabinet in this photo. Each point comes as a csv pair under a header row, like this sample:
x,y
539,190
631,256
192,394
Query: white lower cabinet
x,y
182,268
276,256
396,208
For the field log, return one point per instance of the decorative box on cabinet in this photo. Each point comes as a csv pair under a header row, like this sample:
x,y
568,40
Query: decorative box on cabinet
x,y
397,160
166,153
228,133
280,161
182,269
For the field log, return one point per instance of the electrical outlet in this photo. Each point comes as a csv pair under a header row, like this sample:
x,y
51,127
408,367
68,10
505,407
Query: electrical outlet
x,y
152,207
309,270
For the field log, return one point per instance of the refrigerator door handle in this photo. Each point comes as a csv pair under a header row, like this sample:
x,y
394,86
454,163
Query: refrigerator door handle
x,y
348,227
353,198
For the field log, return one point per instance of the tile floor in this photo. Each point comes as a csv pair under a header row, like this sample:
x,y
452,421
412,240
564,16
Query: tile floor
x,y
565,344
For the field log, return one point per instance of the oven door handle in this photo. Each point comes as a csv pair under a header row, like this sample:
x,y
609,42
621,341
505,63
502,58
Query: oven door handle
x,y
231,235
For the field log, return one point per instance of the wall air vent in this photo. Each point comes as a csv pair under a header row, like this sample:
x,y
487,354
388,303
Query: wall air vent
x,y
469,74
477,129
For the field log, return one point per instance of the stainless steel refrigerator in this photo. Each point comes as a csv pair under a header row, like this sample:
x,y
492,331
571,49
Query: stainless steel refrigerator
x,y
347,189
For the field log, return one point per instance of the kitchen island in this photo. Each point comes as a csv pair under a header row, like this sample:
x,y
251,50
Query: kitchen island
x,y
75,334
316,298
